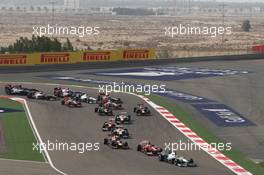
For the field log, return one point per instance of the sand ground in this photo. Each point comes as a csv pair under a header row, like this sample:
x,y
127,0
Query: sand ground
x,y
142,31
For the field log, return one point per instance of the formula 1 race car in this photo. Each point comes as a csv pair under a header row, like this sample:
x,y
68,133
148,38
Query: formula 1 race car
x,y
121,132
109,125
149,149
104,111
172,158
83,97
71,103
113,105
122,118
116,143
142,110
103,98
167,156
41,96
183,162
115,100
18,90
62,92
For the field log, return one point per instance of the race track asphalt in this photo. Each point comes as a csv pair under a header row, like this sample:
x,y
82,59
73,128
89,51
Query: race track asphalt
x,y
244,93
59,123
13,167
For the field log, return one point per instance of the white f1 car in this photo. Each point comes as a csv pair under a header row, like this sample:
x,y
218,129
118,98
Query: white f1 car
x,y
41,96
172,158
120,132
83,97
122,118
183,162
62,92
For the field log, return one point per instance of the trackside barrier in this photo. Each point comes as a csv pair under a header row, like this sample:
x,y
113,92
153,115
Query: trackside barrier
x,y
49,58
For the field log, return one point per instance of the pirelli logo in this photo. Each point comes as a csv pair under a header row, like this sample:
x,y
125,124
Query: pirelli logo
x,y
95,56
136,54
13,59
55,58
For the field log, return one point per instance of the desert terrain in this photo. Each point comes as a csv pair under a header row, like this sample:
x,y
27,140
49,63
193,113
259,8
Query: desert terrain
x,y
141,32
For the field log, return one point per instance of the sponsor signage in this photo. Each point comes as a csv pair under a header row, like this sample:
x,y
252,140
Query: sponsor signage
x,y
222,115
136,54
13,59
75,57
54,58
97,56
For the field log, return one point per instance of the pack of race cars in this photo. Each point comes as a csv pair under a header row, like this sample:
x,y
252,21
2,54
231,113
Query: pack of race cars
x,y
106,104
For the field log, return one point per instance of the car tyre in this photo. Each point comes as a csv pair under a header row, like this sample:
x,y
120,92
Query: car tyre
x,y
105,141
138,148
161,158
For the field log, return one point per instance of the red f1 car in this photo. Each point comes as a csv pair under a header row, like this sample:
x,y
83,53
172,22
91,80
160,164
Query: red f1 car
x,y
142,110
116,143
71,103
112,105
149,149
109,125
103,98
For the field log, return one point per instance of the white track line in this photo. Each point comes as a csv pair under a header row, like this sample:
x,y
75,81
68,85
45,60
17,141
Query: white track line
x,y
41,142
217,155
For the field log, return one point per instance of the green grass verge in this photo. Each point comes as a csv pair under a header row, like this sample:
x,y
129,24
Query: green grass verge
x,y
199,128
18,134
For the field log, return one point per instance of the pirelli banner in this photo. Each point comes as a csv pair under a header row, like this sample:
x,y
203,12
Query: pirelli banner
x,y
99,56
117,55
75,57
138,54
14,60
58,58
35,58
